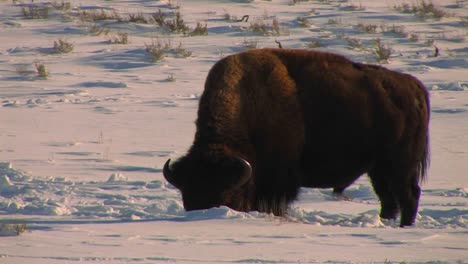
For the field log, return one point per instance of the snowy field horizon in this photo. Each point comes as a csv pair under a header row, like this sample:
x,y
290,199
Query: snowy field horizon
x,y
96,95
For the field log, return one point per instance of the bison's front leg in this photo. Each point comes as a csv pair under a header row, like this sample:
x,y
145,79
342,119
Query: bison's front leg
x,y
388,204
277,189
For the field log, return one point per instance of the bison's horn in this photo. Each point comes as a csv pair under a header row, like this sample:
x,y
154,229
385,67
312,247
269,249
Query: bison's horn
x,y
167,172
247,170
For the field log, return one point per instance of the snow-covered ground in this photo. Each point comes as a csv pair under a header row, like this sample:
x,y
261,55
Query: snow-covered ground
x,y
81,151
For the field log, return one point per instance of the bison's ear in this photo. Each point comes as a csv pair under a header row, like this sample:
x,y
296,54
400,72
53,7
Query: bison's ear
x,y
169,175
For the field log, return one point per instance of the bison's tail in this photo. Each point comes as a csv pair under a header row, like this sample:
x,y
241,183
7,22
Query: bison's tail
x,y
424,158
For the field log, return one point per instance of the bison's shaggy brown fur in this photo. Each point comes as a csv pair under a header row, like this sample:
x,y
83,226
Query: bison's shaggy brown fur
x,y
304,119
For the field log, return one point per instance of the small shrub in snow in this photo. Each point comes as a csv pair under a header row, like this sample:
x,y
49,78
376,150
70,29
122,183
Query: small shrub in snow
x,y
294,2
7,229
423,9
159,18
353,7
414,37
227,16
264,29
119,38
428,9
62,46
41,69
173,25
395,29
259,27
35,12
368,28
199,30
394,262
250,44
304,22
173,4
429,42
170,78
403,7
156,50
464,21
354,42
182,52
138,18
97,30
62,5
382,52
334,21
159,50
177,24
275,26
100,15
24,70
314,44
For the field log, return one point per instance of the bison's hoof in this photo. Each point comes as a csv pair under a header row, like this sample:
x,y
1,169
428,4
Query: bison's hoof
x,y
389,214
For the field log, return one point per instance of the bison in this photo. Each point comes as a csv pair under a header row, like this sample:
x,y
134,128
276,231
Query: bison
x,y
271,121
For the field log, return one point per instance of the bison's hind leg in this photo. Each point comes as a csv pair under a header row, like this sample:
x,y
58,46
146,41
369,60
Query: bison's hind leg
x,y
397,187
408,194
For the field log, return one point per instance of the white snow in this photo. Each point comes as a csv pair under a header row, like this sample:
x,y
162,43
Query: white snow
x,y
81,152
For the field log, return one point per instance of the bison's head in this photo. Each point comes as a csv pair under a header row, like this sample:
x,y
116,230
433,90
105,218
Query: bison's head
x,y
206,183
